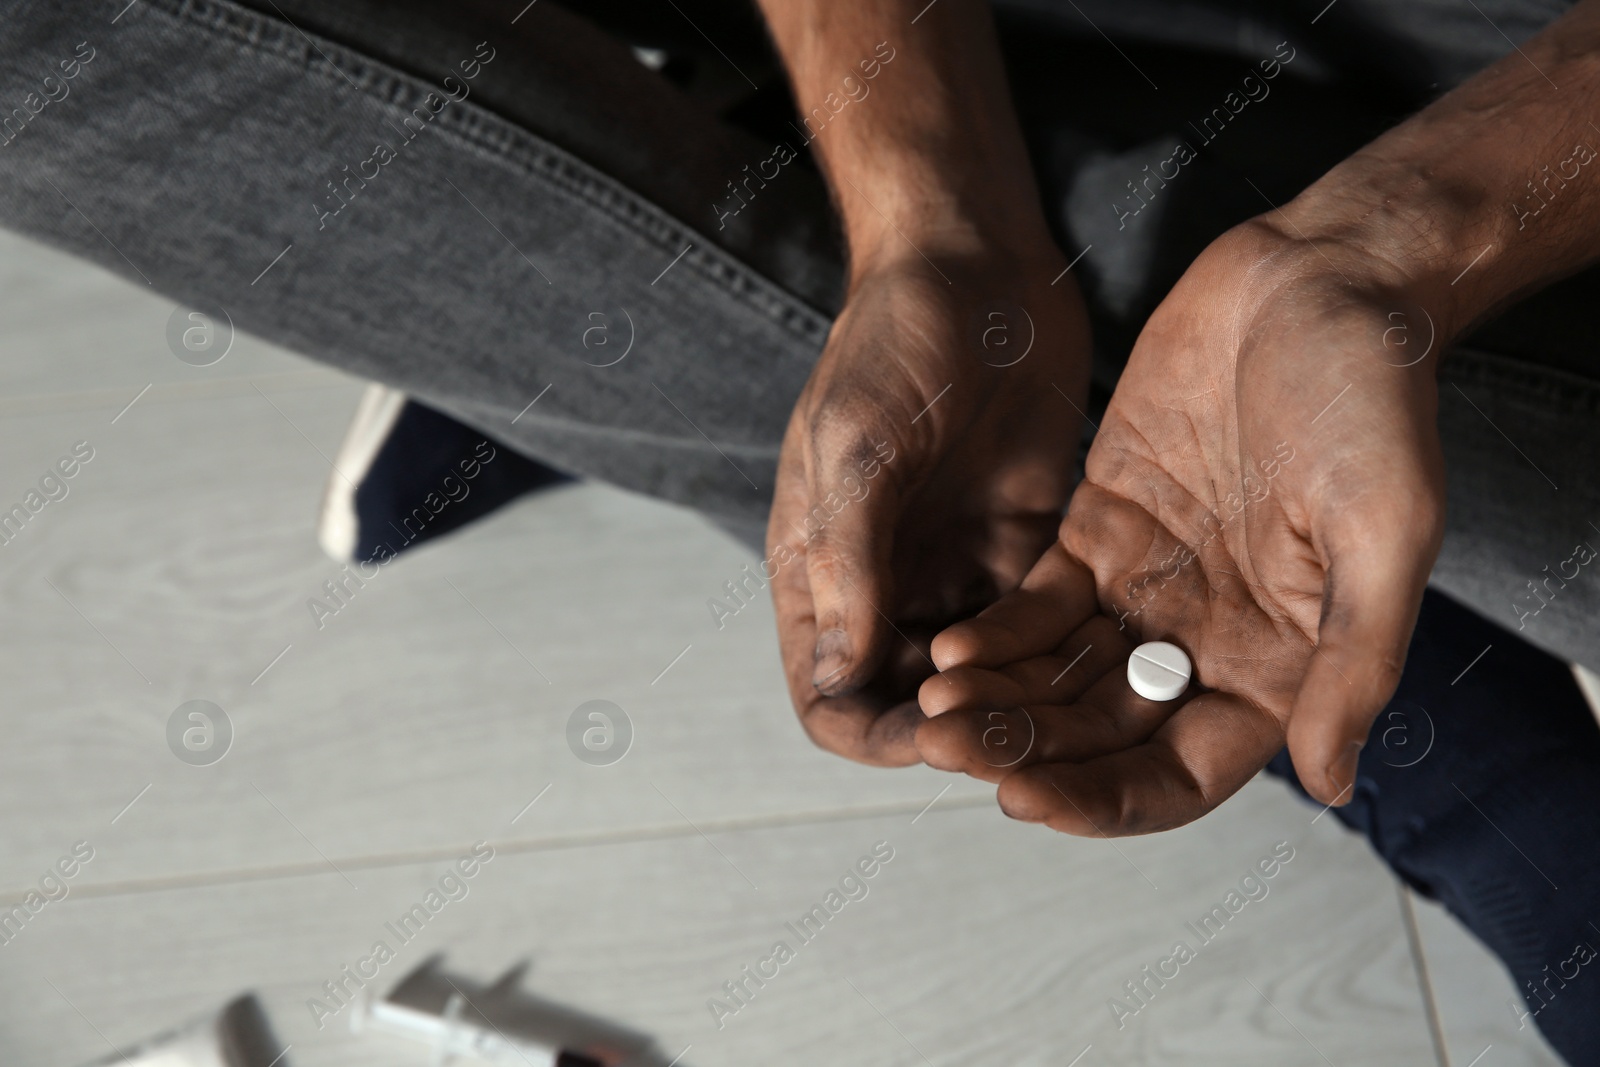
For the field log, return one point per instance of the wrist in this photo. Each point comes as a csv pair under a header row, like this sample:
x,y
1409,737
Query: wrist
x,y
1483,197
1405,233
1001,263
911,220
925,211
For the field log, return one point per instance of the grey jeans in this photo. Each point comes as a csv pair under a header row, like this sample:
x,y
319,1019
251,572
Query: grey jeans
x,y
486,207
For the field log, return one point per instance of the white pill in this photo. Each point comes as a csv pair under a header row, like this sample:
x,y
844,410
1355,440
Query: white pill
x,y
1158,670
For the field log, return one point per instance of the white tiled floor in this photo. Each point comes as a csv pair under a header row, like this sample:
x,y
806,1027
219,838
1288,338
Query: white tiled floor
x,y
430,711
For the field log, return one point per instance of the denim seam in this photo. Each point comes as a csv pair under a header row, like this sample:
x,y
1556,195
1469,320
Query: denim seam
x,y
501,141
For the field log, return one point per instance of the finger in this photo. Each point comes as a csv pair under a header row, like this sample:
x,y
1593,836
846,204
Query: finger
x,y
1372,593
862,729
870,726
987,745
969,689
878,723
848,526
867,727
1204,754
1060,677
1056,598
988,742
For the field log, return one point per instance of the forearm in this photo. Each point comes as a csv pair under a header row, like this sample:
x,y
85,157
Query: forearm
x,y
1490,193
911,123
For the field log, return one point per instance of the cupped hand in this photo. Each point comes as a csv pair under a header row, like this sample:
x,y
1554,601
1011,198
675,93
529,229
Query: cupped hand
x,y
923,471
1265,491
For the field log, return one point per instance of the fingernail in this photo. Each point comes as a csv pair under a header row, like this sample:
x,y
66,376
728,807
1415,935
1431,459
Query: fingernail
x,y
1343,771
833,656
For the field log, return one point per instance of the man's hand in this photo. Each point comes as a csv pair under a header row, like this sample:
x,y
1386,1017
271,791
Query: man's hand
x,y
924,470
927,462
1266,491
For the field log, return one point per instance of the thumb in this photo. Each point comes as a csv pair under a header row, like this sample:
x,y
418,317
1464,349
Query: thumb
x,y
1376,574
848,532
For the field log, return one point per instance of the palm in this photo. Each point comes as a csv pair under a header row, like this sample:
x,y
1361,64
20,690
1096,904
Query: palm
x,y
1252,445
